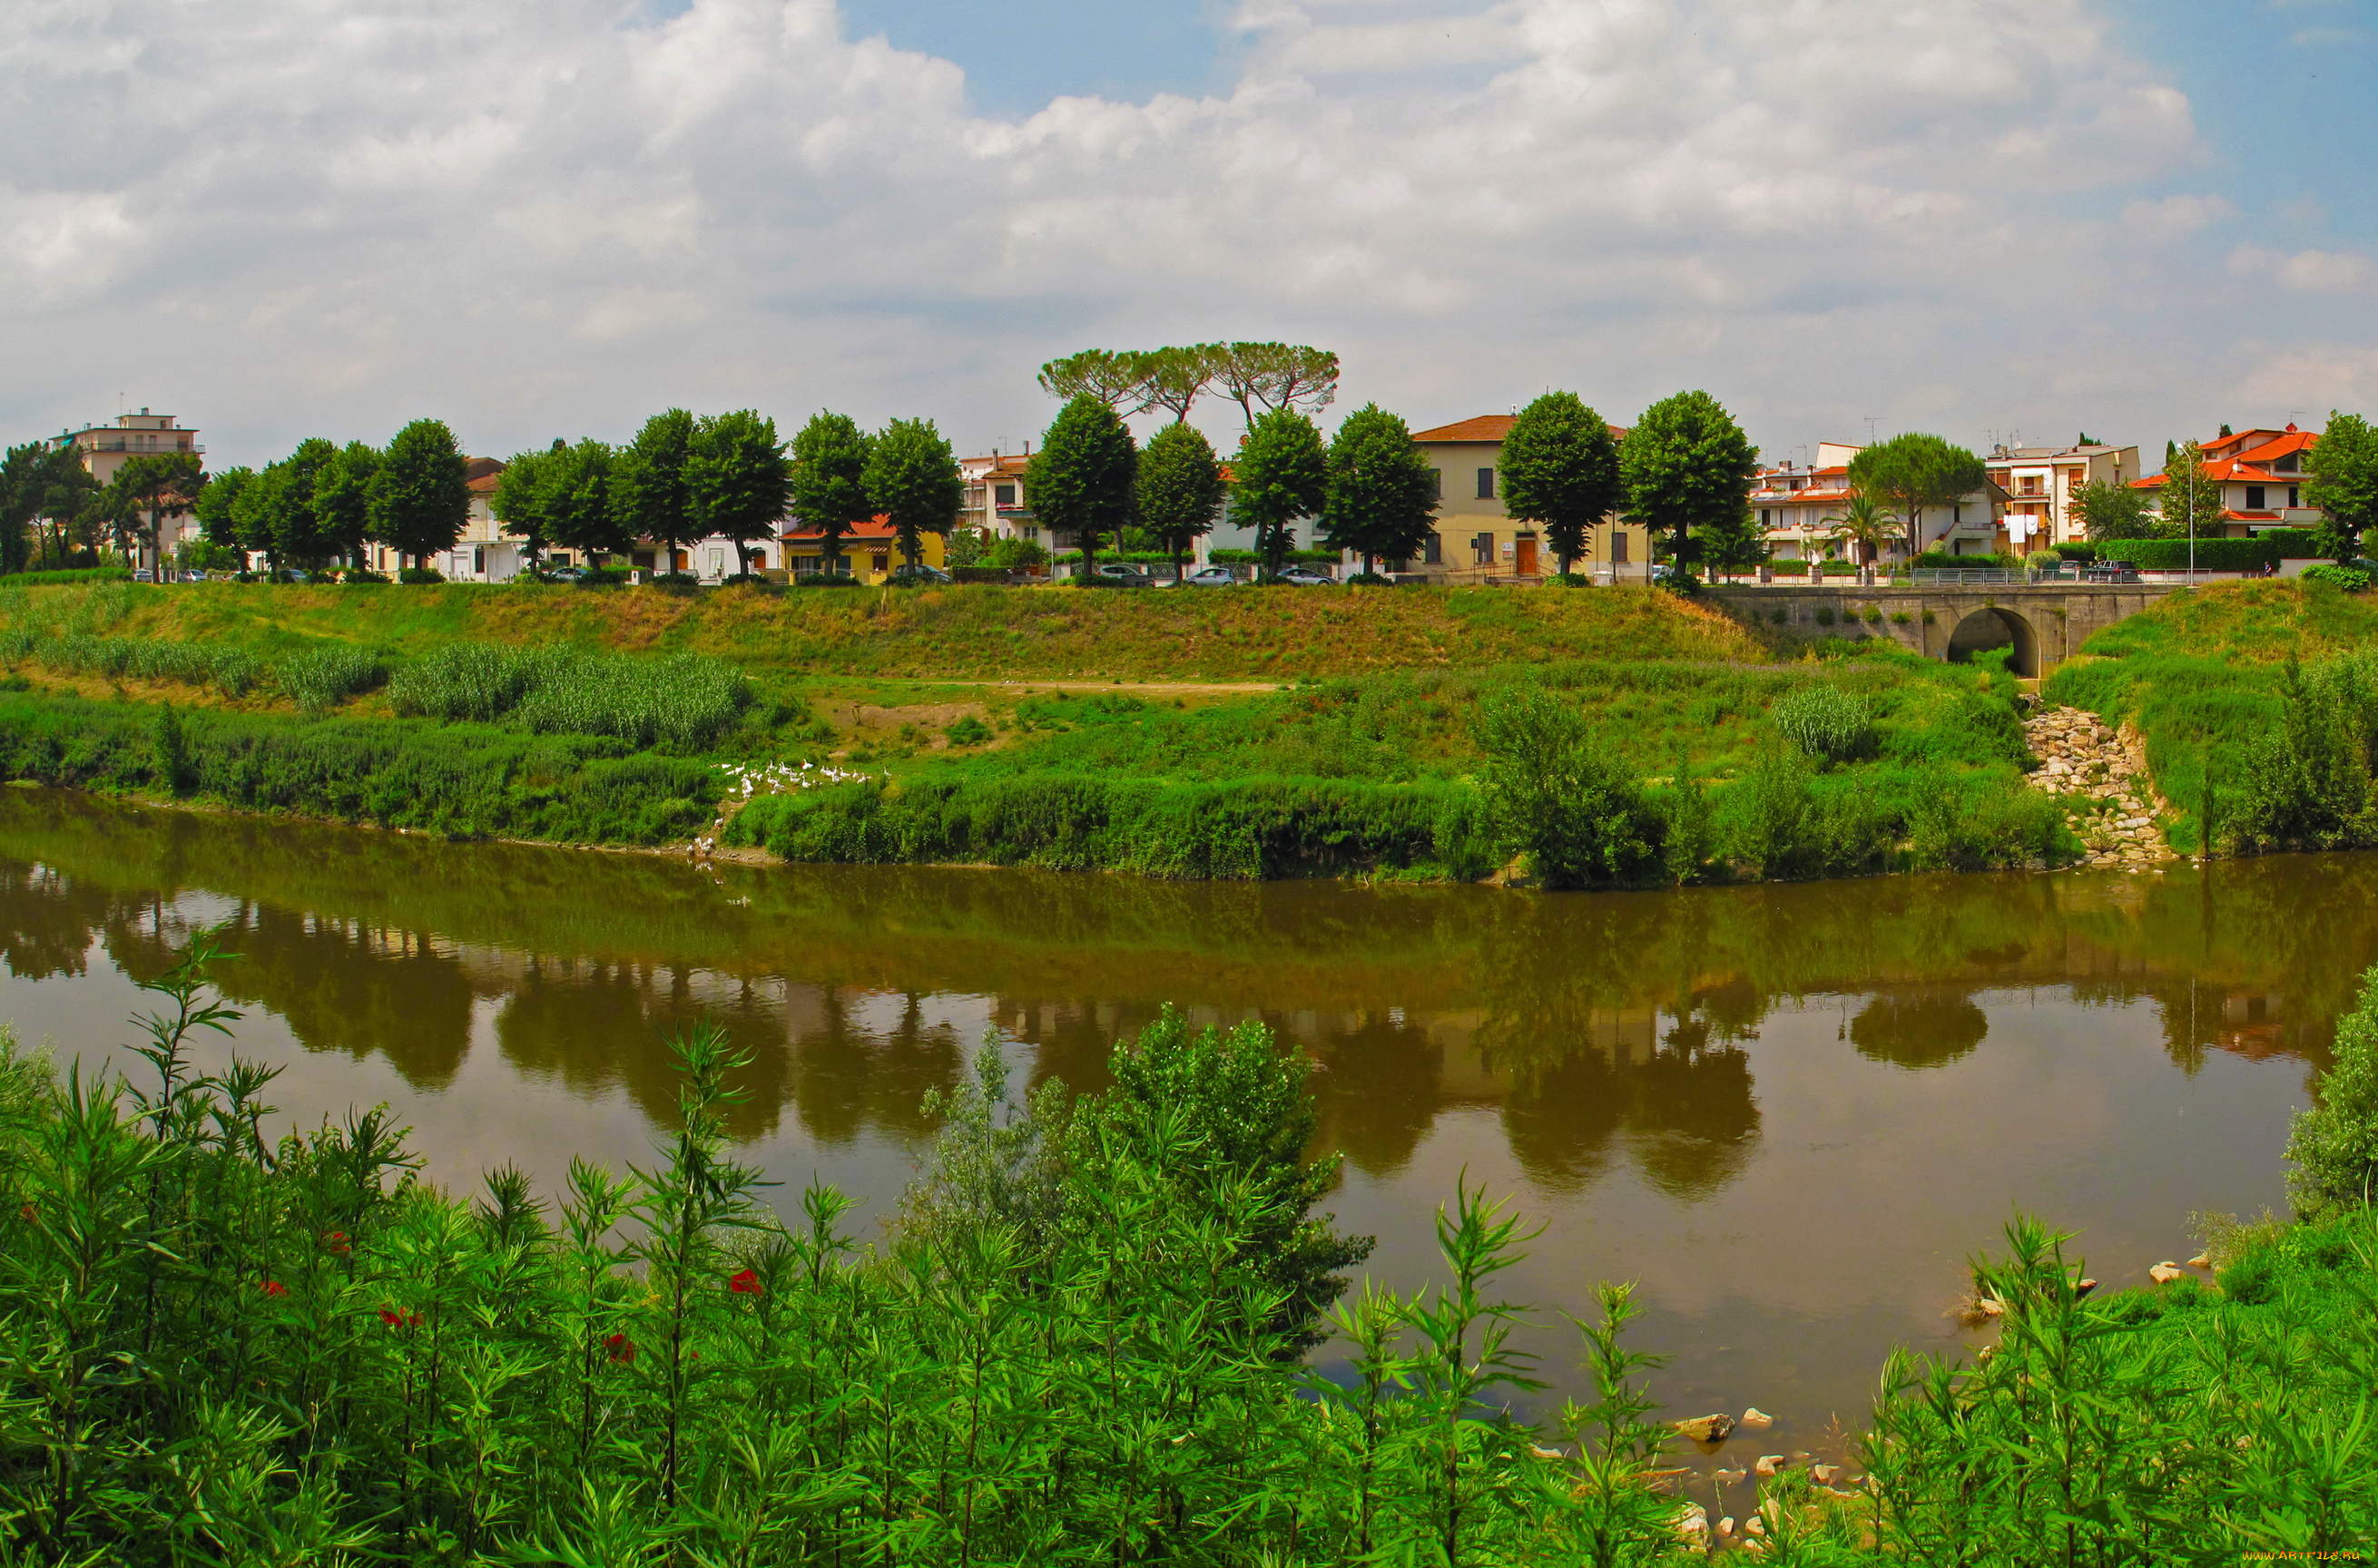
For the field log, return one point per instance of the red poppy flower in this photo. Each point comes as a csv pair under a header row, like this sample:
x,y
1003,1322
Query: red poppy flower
x,y
746,1284
398,1319
617,1349
273,1287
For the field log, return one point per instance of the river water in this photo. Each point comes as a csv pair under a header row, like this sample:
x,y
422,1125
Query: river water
x,y
1789,1113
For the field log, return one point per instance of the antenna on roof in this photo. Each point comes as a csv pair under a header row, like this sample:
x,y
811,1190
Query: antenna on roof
x,y
1871,421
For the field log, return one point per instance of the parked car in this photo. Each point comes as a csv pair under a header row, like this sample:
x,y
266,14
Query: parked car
x,y
1203,576
566,574
2111,571
920,575
1306,576
1123,574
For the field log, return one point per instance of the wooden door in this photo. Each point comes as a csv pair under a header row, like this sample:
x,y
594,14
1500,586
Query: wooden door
x,y
1527,557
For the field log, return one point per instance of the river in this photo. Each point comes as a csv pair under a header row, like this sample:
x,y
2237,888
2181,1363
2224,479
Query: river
x,y
1788,1112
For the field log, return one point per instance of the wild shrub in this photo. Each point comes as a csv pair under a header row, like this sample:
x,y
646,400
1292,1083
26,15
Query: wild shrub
x,y
1985,822
1557,799
320,678
1824,722
1778,824
2334,1146
2307,779
684,701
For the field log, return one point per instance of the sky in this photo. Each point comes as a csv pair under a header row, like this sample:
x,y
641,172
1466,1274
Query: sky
x,y
1993,219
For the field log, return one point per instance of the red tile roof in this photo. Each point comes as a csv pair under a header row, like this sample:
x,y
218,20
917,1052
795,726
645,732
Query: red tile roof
x,y
877,527
1485,429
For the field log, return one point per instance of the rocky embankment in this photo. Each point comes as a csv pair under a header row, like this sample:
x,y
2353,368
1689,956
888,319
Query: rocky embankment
x,y
2101,774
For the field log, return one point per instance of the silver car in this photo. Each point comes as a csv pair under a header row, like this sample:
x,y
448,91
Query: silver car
x,y
1306,576
1203,576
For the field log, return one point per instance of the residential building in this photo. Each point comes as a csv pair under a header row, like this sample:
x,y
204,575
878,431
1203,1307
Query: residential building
x,y
994,504
105,449
1797,506
2041,482
869,551
2261,473
1477,537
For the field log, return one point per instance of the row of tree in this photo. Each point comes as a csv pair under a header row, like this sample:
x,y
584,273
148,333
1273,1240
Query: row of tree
x,y
1685,470
325,503
685,478
52,508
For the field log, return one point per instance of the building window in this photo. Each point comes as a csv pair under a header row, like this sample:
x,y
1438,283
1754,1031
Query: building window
x,y
1956,514
880,563
1485,484
1004,494
479,560
1432,549
1618,546
718,563
2253,498
2295,496
1766,518
1481,549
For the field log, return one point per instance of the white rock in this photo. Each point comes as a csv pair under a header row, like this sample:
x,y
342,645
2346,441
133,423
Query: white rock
x,y
1757,1420
2165,1272
1770,1462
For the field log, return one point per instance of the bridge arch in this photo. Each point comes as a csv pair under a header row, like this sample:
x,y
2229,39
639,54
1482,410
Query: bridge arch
x,y
1996,627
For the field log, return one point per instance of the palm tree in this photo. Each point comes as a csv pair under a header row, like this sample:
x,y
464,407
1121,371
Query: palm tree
x,y
1867,524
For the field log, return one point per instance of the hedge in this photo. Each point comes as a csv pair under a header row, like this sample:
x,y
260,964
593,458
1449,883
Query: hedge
x,y
2212,555
70,574
1940,560
2294,544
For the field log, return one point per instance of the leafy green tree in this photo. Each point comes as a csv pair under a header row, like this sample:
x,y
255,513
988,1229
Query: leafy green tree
x,y
1082,479
1173,379
1115,379
24,475
153,487
57,488
650,495
2188,503
297,532
2343,465
1557,801
2111,509
1180,488
1559,470
1275,376
1735,542
1280,474
1864,525
574,488
255,512
218,508
342,499
1249,1100
421,496
912,478
1688,468
1381,499
736,473
829,486
1913,471
519,502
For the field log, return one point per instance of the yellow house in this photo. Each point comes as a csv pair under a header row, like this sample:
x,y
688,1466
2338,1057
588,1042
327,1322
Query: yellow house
x,y
1477,537
869,551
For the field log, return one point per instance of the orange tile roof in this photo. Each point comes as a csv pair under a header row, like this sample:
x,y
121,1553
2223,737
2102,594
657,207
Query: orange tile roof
x,y
877,527
1486,429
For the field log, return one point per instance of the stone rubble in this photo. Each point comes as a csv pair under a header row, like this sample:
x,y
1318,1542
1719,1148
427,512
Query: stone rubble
x,y
2101,774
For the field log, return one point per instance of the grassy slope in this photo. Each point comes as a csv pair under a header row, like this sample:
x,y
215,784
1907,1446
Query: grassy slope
x,y
988,633
2199,672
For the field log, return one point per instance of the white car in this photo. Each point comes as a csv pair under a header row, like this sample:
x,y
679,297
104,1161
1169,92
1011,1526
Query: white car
x,y
1203,576
1306,576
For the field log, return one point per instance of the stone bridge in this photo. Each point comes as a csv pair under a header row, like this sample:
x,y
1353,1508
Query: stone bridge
x,y
2043,623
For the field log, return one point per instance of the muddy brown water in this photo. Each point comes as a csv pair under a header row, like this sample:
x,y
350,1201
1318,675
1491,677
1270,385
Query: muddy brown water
x,y
1789,1113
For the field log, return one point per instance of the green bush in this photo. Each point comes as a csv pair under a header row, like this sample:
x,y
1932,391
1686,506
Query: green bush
x,y
320,678
685,700
1987,823
69,574
969,731
1249,558
1824,722
2076,552
420,574
359,576
2353,579
2334,1146
2293,544
1942,560
1557,799
460,779
2212,555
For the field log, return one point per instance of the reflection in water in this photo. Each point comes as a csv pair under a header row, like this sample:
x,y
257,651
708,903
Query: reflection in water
x,y
1654,1063
1919,1030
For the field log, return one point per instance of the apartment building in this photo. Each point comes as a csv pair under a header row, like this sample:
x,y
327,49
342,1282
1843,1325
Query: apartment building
x,y
1798,506
107,448
1476,535
2041,482
995,505
2261,472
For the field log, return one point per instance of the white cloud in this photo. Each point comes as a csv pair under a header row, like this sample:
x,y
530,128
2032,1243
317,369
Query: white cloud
x,y
551,217
2316,380
2307,271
